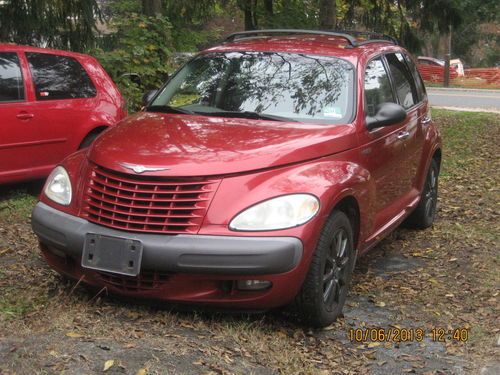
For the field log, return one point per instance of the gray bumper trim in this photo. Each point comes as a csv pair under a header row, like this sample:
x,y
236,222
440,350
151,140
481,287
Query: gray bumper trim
x,y
176,253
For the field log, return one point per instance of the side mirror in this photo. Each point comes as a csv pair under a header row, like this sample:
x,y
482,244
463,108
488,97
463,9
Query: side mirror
x,y
146,98
387,114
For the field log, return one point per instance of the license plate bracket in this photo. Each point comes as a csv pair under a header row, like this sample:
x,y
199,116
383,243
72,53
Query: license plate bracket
x,y
112,254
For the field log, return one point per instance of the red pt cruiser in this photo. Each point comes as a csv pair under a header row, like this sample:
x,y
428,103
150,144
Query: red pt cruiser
x,y
254,178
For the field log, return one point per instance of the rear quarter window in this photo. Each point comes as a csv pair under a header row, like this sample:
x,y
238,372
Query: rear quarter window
x,y
59,77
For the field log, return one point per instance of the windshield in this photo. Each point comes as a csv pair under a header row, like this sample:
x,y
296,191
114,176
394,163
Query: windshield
x,y
264,85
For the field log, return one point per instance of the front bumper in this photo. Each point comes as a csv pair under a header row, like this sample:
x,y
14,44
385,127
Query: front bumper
x,y
221,255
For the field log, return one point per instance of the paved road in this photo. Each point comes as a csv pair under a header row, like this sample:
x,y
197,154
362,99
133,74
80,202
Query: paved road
x,y
465,98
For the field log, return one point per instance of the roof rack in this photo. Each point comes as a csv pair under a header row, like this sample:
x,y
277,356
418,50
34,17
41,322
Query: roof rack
x,y
350,37
371,36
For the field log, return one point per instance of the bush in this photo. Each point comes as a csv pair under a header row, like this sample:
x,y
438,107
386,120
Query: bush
x,y
139,55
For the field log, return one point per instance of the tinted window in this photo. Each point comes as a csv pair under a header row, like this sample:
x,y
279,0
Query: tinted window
x,y
304,88
11,79
59,77
403,80
377,86
418,79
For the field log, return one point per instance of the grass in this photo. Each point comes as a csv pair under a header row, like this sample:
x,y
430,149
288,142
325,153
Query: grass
x,y
461,138
17,205
14,306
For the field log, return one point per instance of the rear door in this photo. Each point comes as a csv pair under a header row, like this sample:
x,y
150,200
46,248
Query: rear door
x,y
411,133
383,149
18,137
65,97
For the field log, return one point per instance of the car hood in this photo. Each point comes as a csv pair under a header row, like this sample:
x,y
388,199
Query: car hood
x,y
200,146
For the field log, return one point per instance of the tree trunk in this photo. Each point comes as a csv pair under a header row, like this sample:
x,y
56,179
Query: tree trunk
x,y
447,56
268,4
250,16
327,15
152,8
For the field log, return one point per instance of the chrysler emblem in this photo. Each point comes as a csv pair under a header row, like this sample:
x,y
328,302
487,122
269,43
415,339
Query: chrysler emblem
x,y
141,168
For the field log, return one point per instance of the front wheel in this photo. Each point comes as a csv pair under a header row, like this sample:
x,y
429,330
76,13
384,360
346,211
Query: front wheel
x,y
423,215
324,291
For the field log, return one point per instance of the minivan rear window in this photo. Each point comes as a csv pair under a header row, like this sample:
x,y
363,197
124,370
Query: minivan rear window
x,y
59,77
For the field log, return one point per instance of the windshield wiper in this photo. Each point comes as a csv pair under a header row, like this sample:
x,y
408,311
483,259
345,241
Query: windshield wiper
x,y
168,109
247,114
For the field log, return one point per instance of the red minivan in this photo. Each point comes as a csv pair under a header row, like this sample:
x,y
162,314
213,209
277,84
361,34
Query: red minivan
x,y
52,103
253,179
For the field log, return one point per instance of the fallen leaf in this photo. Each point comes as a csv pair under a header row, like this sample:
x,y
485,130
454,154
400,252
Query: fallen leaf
x,y
142,371
73,334
108,364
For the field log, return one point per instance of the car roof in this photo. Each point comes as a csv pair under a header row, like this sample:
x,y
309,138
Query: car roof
x,y
11,47
430,59
314,44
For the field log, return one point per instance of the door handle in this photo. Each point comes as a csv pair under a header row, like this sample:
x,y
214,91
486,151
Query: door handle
x,y
403,135
426,120
25,116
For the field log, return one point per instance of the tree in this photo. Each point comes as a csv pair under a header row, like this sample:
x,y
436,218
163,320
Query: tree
x,y
249,8
152,8
59,24
327,17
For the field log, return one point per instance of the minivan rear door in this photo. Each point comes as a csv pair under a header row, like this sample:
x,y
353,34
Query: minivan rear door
x,y
64,99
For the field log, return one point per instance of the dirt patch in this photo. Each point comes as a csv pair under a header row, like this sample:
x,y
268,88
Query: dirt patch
x,y
443,278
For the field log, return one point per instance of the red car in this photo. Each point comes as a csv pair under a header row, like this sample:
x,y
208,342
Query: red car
x,y
52,103
432,69
254,178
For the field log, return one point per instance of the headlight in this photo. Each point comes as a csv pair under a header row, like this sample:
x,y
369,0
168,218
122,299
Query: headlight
x,y
277,213
58,186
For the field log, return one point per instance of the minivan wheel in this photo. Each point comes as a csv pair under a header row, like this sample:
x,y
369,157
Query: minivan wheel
x,y
423,215
324,291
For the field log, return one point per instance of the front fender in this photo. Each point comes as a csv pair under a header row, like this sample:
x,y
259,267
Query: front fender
x,y
328,179
75,166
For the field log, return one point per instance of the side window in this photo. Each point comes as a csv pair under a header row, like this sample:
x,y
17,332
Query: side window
x,y
11,78
404,83
418,79
377,86
59,77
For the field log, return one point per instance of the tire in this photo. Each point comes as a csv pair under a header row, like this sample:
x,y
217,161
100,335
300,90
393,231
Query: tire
x,y
425,212
325,289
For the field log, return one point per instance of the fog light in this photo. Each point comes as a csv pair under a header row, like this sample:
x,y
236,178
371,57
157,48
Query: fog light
x,y
253,284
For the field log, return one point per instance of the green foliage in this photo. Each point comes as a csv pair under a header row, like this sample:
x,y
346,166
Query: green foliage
x,y
141,56
17,206
68,24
